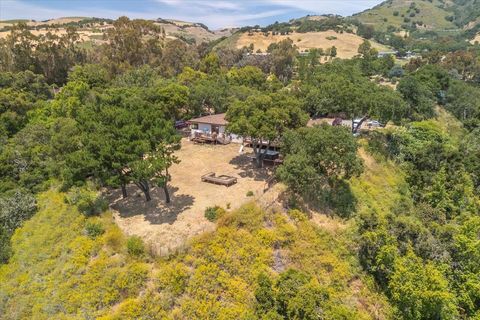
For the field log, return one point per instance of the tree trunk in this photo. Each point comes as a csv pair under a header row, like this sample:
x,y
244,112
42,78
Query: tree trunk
x,y
167,194
123,183
258,160
144,186
147,192
359,125
165,186
124,191
259,155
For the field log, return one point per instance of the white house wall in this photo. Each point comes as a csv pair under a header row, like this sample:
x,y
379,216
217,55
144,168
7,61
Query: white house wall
x,y
205,127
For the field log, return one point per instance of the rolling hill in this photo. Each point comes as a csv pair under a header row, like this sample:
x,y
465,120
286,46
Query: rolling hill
x,y
427,15
92,29
346,43
447,17
309,32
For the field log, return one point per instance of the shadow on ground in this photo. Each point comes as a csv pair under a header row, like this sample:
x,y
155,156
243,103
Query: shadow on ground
x,y
155,211
247,169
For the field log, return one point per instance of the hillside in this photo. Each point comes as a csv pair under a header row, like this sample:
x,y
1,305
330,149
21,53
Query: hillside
x,y
92,29
309,32
156,169
401,14
67,266
346,43
431,15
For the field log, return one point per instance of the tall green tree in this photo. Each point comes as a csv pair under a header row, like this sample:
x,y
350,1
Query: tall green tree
x,y
420,290
283,56
264,118
125,138
339,88
317,160
132,43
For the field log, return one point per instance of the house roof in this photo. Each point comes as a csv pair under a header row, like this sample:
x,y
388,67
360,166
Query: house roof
x,y
216,119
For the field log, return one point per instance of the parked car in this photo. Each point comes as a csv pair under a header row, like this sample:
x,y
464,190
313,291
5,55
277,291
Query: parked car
x,y
181,124
375,124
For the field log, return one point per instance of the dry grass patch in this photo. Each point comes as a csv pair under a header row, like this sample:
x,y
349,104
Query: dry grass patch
x,y
346,43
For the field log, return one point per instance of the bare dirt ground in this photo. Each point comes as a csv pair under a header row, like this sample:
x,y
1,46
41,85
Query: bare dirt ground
x,y
477,38
346,43
167,228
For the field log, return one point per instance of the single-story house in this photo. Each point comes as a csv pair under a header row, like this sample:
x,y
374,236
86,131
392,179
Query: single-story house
x,y
209,124
214,124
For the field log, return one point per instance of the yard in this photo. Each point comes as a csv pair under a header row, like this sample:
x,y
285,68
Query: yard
x,y
166,228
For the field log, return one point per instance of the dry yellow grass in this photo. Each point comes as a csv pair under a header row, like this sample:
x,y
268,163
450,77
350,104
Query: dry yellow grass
x,y
173,30
57,21
84,35
346,43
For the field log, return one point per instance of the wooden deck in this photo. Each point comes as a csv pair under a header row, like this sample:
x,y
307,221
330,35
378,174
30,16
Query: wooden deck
x,y
223,180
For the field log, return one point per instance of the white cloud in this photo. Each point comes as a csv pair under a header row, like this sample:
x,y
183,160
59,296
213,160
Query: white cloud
x,y
16,9
215,14
219,5
327,6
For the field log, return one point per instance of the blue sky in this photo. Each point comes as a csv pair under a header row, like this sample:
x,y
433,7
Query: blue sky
x,y
215,14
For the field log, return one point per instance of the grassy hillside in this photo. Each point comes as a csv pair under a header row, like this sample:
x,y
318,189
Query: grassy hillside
x,y
380,187
58,271
62,271
428,15
92,29
346,43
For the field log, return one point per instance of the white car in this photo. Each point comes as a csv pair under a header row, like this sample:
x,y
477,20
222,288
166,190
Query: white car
x,y
374,124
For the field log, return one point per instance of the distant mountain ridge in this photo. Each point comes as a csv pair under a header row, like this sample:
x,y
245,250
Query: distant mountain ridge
x,y
400,17
92,28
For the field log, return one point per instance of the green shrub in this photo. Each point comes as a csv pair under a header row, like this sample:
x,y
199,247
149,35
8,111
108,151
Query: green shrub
x,y
297,215
213,213
88,202
135,246
174,277
15,208
114,238
250,193
94,229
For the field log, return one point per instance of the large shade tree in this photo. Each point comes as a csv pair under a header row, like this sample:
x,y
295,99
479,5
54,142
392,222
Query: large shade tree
x,y
339,88
122,134
264,118
318,159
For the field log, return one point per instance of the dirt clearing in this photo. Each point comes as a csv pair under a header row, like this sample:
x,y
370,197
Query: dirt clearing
x,y
476,39
166,228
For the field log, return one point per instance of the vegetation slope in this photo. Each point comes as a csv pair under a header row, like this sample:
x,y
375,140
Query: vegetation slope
x,y
66,266
433,15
